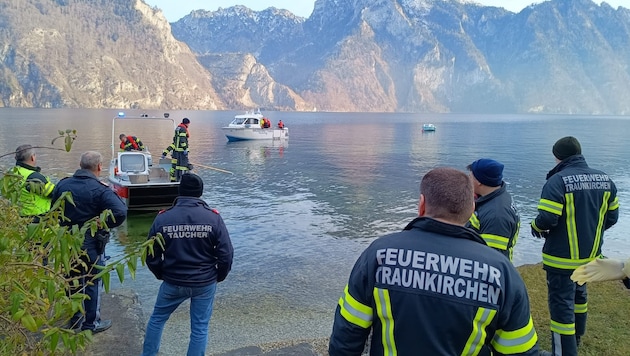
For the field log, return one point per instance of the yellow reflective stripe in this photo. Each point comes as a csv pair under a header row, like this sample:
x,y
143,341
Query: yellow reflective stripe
x,y
496,241
517,341
353,311
477,337
574,248
562,329
514,240
580,308
384,311
536,227
474,221
48,188
564,263
600,224
550,206
614,205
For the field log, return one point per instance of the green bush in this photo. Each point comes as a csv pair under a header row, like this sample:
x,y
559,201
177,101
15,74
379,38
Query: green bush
x,y
35,261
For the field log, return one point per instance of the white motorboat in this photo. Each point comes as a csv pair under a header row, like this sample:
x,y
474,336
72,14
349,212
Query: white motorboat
x,y
249,126
428,128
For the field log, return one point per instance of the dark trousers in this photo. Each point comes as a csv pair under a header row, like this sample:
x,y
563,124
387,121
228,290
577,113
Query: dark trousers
x,y
88,286
179,165
568,311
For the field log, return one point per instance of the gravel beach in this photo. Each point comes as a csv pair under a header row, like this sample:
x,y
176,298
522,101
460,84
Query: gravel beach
x,y
127,332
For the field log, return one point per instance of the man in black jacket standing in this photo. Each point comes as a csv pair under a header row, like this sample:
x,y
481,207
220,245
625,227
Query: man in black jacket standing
x,y
91,198
197,255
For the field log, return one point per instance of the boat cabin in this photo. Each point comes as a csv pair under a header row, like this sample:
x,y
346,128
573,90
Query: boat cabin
x,y
246,121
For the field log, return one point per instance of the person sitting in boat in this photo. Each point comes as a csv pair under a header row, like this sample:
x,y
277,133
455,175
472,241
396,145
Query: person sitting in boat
x,y
280,125
130,143
266,123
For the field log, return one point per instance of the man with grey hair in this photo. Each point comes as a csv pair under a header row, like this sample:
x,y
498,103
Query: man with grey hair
x,y
91,198
34,197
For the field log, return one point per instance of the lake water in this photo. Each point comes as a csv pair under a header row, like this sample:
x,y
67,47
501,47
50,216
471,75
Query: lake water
x,y
300,212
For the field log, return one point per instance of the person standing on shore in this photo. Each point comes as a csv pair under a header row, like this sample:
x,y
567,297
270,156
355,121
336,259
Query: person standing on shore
x,y
435,288
495,217
36,191
90,198
197,255
576,206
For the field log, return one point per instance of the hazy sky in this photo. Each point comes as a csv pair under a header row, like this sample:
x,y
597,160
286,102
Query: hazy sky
x,y
175,10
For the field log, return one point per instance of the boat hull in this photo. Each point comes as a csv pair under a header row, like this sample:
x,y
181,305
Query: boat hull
x,y
146,197
244,134
147,189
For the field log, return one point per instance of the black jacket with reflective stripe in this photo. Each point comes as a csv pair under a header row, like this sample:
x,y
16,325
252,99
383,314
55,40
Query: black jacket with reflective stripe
x,y
432,289
577,204
497,217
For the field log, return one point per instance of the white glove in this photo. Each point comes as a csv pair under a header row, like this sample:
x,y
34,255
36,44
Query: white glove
x,y
599,270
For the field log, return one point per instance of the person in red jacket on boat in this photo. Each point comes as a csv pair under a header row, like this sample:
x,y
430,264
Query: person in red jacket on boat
x,y
130,143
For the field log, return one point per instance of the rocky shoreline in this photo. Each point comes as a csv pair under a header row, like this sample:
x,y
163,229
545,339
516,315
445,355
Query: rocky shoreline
x,y
125,336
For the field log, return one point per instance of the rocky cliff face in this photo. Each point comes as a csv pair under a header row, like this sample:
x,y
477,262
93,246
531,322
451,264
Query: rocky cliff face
x,y
561,56
106,54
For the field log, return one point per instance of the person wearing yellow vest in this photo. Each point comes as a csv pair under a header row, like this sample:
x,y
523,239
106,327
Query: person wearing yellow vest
x,y
36,188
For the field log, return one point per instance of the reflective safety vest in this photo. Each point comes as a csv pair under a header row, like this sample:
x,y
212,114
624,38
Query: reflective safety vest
x,y
35,195
576,206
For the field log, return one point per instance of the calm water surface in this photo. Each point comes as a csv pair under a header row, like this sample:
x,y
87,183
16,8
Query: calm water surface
x,y
300,212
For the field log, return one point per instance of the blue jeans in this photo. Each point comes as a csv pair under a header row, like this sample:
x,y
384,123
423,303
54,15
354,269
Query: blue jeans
x,y
169,298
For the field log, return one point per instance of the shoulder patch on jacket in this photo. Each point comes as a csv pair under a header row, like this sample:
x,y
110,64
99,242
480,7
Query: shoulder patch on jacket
x,y
215,211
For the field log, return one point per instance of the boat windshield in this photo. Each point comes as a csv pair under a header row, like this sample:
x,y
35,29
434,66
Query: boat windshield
x,y
238,121
132,163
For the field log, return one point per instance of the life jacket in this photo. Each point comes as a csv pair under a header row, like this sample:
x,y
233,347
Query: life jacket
x,y
185,127
132,140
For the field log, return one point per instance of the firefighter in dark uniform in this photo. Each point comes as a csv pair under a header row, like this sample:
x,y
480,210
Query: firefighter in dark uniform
x,y
179,151
34,198
576,206
435,288
496,218
130,143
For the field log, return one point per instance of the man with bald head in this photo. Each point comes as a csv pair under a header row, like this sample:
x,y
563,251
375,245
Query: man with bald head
x,y
435,288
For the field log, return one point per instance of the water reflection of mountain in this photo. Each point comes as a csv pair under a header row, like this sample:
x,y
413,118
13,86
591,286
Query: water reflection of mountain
x,y
256,151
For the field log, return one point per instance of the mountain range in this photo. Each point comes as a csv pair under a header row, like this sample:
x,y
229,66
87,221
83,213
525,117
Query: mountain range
x,y
559,56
